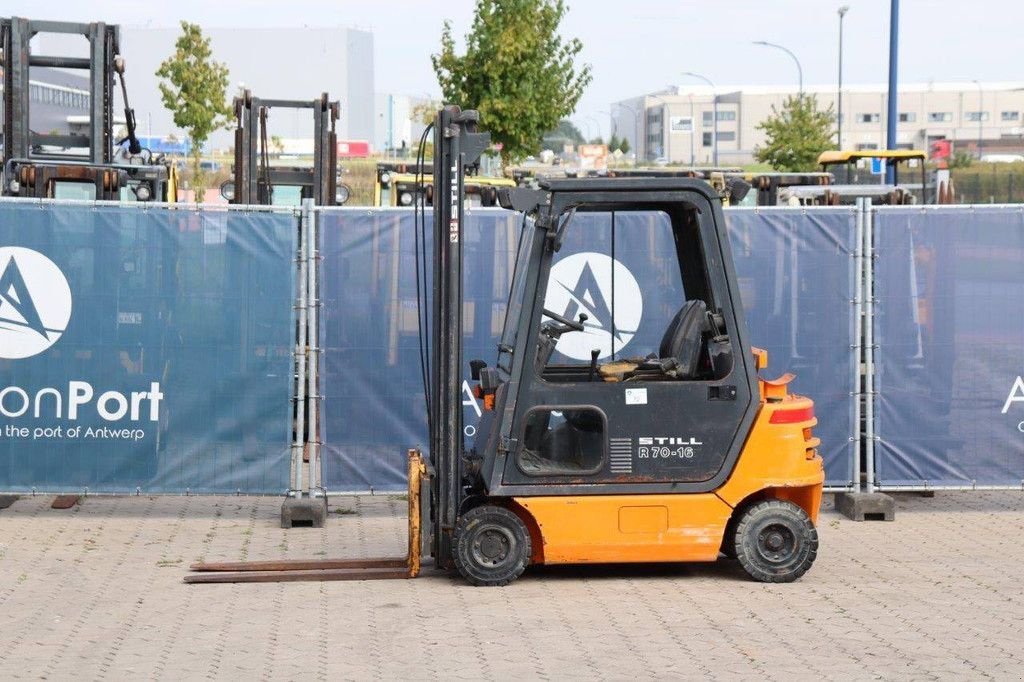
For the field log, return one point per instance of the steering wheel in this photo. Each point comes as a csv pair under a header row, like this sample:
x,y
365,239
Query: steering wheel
x,y
577,326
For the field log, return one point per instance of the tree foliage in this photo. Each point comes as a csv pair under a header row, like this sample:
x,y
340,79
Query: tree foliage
x,y
565,133
193,87
796,134
517,71
960,159
624,146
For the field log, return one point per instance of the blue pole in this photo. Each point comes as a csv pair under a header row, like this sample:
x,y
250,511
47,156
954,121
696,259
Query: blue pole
x,y
890,123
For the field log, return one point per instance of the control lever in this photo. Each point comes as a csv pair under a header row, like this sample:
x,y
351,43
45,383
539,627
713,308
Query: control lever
x,y
569,324
593,363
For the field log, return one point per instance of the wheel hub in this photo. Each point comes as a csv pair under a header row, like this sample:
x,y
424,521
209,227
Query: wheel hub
x,y
492,546
776,543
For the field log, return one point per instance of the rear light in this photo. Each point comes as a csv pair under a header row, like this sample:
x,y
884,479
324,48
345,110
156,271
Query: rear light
x,y
800,414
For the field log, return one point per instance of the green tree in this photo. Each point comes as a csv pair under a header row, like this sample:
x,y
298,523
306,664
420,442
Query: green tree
x,y
624,146
796,134
565,133
960,160
193,87
425,111
614,142
516,70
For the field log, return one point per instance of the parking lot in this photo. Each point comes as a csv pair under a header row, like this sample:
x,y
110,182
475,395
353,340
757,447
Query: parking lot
x,y
96,592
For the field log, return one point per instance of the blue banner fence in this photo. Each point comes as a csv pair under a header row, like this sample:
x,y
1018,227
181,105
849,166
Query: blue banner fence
x,y
798,275
948,348
161,356
145,349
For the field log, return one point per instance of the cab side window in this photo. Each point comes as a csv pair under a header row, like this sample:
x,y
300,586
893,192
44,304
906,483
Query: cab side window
x,y
561,441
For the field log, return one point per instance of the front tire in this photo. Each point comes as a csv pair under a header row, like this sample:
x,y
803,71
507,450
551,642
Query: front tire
x,y
492,546
775,541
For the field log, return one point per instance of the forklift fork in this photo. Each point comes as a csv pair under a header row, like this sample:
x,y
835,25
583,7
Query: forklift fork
x,y
330,569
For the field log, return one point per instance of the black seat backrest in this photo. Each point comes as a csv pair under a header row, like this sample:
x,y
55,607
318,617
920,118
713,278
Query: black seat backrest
x,y
684,338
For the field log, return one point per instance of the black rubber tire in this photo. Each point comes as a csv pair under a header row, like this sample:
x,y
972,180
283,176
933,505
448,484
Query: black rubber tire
x,y
775,541
492,546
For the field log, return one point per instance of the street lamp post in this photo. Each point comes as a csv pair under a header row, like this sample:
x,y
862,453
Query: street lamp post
x,y
636,130
714,115
799,69
890,122
693,129
981,113
586,123
839,93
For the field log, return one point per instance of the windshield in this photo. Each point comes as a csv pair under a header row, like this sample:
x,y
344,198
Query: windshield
x,y
515,295
286,195
73,189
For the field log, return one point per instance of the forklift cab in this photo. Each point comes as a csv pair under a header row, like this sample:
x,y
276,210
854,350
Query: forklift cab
x,y
598,426
671,452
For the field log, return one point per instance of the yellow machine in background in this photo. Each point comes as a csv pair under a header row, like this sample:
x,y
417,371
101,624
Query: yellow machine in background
x,y
400,184
861,173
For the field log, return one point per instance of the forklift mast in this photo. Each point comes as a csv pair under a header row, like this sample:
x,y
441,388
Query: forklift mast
x,y
457,148
20,142
39,164
254,178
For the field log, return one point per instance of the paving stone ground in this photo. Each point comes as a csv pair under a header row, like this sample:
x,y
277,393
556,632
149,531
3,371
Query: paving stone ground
x,y
95,593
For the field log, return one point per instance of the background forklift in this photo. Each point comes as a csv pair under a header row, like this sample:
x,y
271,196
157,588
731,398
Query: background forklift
x,y
671,457
855,178
74,165
407,184
257,181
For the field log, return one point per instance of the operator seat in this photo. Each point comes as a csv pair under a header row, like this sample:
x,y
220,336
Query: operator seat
x,y
684,339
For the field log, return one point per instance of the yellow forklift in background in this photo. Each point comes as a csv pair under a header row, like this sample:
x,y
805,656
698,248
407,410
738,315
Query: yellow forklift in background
x,y
679,455
405,184
861,173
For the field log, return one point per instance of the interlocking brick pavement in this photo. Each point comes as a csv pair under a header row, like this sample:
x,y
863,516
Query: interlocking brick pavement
x,y
95,593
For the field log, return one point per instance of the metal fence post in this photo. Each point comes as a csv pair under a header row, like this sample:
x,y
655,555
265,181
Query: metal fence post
x,y
310,221
298,441
858,342
869,347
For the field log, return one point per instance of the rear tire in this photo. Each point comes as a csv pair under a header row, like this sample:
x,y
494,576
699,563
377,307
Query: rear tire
x,y
775,541
492,546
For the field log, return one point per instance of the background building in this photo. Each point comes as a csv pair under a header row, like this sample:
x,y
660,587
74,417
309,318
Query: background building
x,y
58,100
973,115
398,128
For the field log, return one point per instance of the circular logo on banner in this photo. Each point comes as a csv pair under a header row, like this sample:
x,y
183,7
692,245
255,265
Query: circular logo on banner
x,y
35,303
582,283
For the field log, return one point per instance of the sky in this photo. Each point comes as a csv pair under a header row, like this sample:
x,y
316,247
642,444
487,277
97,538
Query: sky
x,y
641,45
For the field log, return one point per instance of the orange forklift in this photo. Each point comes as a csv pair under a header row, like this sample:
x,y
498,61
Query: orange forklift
x,y
679,455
